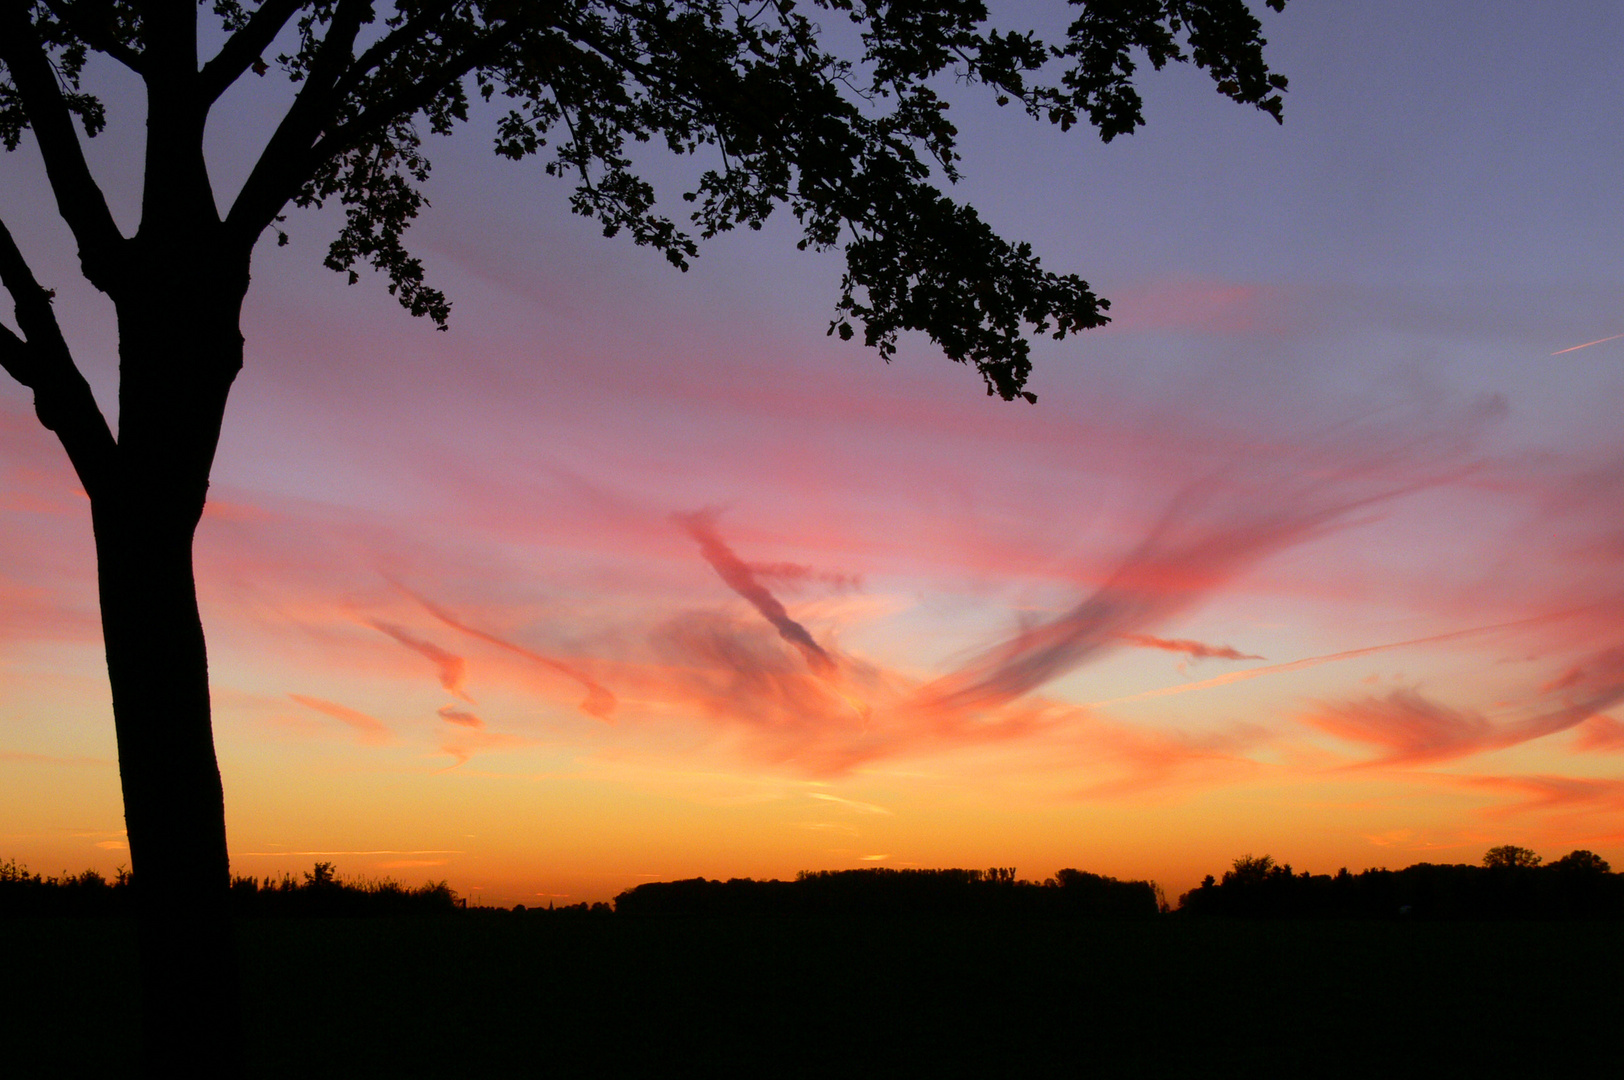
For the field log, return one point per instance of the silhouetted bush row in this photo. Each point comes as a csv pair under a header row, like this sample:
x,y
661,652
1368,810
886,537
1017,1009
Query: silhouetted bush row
x,y
323,893
888,892
320,892
22,893
1510,884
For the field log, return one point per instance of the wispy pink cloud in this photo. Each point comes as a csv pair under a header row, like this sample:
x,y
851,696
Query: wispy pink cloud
x,y
742,579
1207,535
368,729
600,702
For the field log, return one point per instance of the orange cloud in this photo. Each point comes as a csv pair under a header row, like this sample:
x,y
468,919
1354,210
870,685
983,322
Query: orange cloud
x,y
1407,725
1411,728
369,730
1600,734
452,669
1196,650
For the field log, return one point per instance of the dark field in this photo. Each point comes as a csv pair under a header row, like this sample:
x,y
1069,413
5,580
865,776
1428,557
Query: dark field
x,y
513,995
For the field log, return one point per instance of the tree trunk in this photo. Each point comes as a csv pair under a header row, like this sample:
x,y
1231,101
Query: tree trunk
x,y
174,809
179,349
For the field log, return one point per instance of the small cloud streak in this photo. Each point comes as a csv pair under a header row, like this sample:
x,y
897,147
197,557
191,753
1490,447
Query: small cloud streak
x,y
459,716
742,579
1230,677
798,574
452,669
850,804
1195,650
369,730
1586,345
468,742
407,864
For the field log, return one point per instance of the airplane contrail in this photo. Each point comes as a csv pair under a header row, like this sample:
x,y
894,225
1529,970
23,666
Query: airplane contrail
x,y
1312,661
1586,345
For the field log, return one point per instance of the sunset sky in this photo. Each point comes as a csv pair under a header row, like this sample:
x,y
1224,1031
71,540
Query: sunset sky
x,y
1317,550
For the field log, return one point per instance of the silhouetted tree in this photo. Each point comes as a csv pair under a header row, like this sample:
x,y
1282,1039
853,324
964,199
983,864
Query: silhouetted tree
x,y
850,143
1511,856
1250,870
1582,862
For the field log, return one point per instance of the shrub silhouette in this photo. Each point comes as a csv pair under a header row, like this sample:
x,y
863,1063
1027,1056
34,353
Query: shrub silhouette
x,y
1510,884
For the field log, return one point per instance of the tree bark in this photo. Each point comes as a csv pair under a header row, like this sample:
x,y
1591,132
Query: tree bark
x,y
179,350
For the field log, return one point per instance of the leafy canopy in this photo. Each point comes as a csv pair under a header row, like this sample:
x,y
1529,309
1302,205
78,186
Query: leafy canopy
x,y
853,145
1510,855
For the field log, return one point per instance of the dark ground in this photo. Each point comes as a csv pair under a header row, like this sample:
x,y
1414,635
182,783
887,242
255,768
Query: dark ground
x,y
515,995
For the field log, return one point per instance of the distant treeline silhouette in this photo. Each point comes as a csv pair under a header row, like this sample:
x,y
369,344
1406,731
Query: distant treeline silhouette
x,y
1510,884
884,891
320,892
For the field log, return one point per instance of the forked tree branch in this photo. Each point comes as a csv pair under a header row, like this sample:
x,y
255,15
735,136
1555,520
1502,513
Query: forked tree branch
x,y
283,165
244,47
41,361
289,161
79,200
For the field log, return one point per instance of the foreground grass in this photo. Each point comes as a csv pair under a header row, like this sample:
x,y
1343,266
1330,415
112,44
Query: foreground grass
x,y
501,995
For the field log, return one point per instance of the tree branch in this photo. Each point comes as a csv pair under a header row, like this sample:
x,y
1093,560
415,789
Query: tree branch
x,y
62,398
414,97
284,165
384,47
244,47
94,35
79,200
